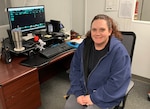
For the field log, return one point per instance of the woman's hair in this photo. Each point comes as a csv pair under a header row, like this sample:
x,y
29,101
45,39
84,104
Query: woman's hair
x,y
110,24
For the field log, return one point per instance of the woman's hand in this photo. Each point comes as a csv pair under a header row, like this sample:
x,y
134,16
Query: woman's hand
x,y
84,100
87,100
80,100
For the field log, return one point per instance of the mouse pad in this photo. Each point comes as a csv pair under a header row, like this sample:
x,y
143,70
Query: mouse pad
x,y
73,45
35,61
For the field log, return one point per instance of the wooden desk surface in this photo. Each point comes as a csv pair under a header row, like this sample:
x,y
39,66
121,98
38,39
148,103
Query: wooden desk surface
x,y
13,70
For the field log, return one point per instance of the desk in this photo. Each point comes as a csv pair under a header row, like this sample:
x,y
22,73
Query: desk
x,y
20,85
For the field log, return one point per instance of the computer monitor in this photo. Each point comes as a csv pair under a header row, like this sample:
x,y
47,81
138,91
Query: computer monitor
x,y
28,18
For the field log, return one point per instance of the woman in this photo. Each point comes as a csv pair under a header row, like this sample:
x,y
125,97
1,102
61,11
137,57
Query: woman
x,y
100,69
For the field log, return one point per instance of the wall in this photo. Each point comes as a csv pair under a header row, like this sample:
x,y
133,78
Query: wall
x,y
78,13
59,10
3,14
141,58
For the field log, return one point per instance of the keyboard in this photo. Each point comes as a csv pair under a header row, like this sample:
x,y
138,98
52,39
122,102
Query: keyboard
x,y
55,50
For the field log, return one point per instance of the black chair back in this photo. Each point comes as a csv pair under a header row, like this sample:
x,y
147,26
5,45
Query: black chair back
x,y
128,41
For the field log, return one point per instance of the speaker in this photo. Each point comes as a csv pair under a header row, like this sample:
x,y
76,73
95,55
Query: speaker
x,y
6,57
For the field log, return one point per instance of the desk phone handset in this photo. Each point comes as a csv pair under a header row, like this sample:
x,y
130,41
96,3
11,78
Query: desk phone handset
x,y
6,57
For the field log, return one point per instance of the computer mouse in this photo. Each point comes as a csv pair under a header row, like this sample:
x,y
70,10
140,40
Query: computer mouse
x,y
73,43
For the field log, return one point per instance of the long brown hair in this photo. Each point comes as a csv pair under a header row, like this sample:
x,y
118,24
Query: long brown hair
x,y
110,24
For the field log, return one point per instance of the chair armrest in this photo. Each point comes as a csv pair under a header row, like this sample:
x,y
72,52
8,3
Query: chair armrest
x,y
131,84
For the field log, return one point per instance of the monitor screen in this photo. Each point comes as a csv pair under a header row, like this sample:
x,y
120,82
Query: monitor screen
x,y
28,18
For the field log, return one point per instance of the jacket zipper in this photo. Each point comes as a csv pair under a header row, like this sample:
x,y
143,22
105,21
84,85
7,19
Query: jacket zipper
x,y
85,83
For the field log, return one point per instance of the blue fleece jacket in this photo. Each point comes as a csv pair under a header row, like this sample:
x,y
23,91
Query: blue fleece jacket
x,y
108,81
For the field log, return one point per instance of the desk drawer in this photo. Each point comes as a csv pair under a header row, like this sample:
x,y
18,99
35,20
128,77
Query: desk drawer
x,y
29,99
21,84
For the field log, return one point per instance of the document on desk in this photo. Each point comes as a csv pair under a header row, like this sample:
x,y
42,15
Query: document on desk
x,y
77,40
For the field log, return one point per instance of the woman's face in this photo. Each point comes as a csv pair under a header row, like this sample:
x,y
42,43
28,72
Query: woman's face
x,y
100,32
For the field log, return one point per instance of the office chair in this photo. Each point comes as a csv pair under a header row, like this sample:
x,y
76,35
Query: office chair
x,y
128,41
